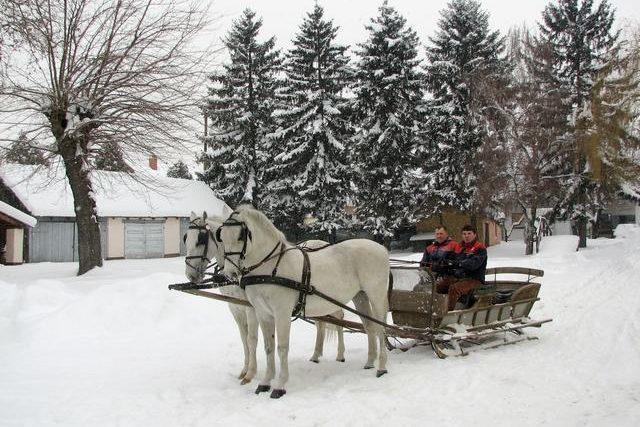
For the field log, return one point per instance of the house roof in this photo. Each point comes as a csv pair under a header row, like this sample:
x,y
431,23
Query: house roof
x,y
46,192
422,236
17,214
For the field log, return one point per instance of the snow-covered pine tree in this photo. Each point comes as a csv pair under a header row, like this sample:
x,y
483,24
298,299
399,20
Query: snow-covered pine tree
x,y
462,55
110,157
582,40
388,94
239,106
179,170
22,152
309,177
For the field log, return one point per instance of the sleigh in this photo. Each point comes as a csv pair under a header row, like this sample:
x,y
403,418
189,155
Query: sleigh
x,y
497,312
497,315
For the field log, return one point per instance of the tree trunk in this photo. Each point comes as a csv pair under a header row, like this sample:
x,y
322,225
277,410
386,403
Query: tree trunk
x,y
89,249
528,238
581,226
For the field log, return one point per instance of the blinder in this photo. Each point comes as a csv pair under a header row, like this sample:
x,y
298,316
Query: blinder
x,y
244,237
204,231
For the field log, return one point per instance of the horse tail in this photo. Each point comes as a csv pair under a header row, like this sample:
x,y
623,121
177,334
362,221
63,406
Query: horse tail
x,y
390,289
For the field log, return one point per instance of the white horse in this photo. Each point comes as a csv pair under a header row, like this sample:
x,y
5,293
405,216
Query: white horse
x,y
202,249
355,270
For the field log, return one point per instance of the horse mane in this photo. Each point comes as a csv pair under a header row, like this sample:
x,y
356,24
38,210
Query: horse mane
x,y
258,218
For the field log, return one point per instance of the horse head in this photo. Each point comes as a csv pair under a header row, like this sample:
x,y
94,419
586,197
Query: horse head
x,y
244,236
201,246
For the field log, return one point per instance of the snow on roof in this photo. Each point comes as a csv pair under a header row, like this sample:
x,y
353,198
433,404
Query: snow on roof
x,y
17,214
422,236
46,192
631,190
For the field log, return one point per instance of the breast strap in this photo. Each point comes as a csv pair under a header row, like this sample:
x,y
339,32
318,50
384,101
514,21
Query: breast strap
x,y
303,286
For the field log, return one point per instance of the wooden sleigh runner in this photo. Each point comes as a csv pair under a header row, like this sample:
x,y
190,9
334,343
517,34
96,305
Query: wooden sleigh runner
x,y
497,315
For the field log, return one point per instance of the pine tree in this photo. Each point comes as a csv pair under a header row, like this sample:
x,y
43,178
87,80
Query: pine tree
x,y
464,54
24,153
582,41
179,170
309,176
389,92
109,157
240,104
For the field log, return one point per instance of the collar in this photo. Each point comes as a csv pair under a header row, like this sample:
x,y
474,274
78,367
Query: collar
x,y
436,243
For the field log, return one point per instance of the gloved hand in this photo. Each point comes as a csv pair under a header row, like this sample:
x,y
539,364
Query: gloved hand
x,y
459,273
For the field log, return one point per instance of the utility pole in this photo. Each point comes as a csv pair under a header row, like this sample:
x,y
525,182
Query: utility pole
x,y
205,161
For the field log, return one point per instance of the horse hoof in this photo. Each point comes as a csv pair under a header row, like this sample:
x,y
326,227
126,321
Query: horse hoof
x,y
340,360
262,388
242,375
381,373
368,366
245,381
277,394
314,360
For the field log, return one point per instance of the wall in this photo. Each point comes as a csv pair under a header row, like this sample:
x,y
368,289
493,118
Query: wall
x,y
14,253
172,237
115,238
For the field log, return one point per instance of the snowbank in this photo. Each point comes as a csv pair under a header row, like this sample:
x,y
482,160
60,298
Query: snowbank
x,y
115,347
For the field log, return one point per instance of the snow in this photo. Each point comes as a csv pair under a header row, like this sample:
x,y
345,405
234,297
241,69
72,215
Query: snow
x,y
46,193
17,214
115,347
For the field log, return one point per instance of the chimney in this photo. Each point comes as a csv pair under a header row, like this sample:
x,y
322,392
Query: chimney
x,y
153,162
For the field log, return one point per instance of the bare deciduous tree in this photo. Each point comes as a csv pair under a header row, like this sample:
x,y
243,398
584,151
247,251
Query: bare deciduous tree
x,y
87,73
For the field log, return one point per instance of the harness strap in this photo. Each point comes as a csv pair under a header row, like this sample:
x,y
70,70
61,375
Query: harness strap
x,y
303,287
282,251
299,310
274,280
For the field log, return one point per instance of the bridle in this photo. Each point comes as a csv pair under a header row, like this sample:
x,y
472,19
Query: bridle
x,y
244,237
204,236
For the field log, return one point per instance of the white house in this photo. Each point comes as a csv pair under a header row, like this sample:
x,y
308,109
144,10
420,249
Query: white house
x,y
139,216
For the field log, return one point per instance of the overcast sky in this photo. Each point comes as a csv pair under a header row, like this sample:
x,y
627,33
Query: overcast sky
x,y
282,18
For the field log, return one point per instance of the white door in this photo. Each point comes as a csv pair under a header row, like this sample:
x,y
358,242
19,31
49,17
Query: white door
x,y
143,239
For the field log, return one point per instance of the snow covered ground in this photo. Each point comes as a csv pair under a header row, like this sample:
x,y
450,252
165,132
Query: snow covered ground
x,y
115,347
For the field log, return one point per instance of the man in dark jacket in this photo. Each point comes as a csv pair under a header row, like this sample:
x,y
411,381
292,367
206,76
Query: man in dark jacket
x,y
470,266
439,253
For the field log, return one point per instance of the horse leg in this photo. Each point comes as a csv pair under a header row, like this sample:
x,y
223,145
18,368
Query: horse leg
x,y
361,301
340,356
241,320
252,344
320,333
267,325
283,330
379,310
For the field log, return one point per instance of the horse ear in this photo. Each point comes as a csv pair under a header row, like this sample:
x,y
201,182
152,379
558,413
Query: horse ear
x,y
193,216
204,215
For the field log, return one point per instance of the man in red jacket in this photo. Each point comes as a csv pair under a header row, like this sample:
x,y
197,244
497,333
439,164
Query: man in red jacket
x,y
469,268
440,252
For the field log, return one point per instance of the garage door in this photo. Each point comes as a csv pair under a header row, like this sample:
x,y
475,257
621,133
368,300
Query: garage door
x,y
143,240
53,242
